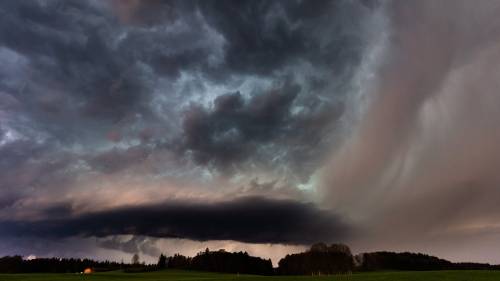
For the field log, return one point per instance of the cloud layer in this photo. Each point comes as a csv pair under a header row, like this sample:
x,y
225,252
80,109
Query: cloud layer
x,y
109,109
94,87
251,220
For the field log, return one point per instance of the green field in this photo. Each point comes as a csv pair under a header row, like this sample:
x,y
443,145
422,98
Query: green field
x,y
175,275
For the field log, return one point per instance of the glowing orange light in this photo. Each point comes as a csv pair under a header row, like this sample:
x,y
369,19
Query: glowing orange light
x,y
87,270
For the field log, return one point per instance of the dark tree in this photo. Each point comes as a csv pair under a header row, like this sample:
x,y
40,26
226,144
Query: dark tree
x,y
222,261
17,264
135,259
179,262
320,259
162,261
404,261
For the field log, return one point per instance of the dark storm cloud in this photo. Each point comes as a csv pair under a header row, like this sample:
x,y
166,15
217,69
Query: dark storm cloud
x,y
268,39
68,47
255,220
266,36
235,130
95,92
234,127
89,67
76,47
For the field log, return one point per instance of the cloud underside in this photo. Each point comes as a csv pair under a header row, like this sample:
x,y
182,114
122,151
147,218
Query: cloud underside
x,y
252,220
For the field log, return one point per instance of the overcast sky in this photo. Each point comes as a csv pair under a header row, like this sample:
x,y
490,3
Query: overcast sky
x,y
264,126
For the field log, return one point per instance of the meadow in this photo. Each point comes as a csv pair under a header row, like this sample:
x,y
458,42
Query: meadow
x,y
176,275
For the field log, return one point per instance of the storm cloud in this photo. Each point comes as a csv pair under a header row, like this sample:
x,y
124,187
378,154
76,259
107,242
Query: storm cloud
x,y
94,78
253,220
231,131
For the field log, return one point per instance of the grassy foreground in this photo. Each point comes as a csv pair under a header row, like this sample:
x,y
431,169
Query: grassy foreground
x,y
174,275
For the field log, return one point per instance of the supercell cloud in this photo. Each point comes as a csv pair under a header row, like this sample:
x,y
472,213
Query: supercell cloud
x,y
247,124
251,220
175,113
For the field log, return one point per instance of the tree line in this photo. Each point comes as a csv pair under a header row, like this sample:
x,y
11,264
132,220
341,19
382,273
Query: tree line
x,y
16,264
412,261
219,261
320,259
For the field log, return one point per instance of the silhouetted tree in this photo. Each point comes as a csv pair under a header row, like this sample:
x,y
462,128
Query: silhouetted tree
x,y
222,261
17,264
179,262
319,247
162,261
135,259
320,259
402,261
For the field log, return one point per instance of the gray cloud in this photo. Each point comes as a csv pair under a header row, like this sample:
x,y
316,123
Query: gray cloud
x,y
234,128
96,68
261,41
116,160
135,244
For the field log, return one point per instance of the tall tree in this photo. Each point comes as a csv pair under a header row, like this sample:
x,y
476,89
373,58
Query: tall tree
x,y
162,261
135,258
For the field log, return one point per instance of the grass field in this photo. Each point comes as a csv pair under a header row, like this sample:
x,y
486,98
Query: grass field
x,y
174,275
